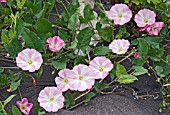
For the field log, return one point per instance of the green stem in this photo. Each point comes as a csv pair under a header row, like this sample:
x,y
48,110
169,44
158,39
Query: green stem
x,y
60,1
19,93
3,108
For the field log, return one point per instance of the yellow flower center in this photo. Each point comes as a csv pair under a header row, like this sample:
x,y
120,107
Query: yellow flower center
x,y
153,28
23,107
80,78
65,80
145,21
101,69
30,62
120,50
120,15
51,99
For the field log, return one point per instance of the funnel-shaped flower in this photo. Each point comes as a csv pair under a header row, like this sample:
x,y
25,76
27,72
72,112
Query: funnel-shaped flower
x,y
101,66
145,17
82,79
155,28
120,13
51,99
24,106
29,59
119,46
63,80
55,43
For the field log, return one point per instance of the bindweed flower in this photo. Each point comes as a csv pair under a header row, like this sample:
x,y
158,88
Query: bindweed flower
x,y
29,59
136,55
3,0
55,43
24,106
155,28
119,46
82,79
120,13
144,28
145,17
62,81
51,99
101,67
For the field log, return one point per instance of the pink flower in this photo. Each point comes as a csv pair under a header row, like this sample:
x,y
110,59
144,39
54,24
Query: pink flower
x,y
51,99
55,43
62,81
136,55
101,66
120,13
155,28
3,0
82,79
144,28
24,106
145,17
119,46
29,59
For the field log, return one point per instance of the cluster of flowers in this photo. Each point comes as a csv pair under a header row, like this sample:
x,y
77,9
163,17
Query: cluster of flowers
x,y
80,78
145,18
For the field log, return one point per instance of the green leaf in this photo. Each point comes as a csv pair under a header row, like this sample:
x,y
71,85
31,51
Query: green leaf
x,y
99,86
73,21
60,64
63,35
1,70
39,73
43,27
106,34
41,113
84,37
168,58
45,7
36,6
153,41
143,47
19,27
138,61
66,15
101,51
8,100
120,70
139,70
14,47
121,32
32,40
4,37
14,85
166,70
5,11
69,99
88,14
38,110
52,4
127,79
16,111
3,80
89,96
113,71
20,3
159,71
